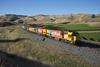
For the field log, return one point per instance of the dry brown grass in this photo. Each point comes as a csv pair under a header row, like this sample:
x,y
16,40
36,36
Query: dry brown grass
x,y
48,54
44,53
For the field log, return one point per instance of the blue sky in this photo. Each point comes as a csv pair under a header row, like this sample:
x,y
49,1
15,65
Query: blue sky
x,y
33,7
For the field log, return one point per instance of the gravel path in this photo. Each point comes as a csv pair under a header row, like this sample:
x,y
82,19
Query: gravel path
x,y
89,53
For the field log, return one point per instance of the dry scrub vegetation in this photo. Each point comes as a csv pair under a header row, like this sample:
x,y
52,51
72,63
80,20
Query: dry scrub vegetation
x,y
47,54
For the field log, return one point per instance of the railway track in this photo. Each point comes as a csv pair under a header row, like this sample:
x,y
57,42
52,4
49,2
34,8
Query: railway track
x,y
88,31
90,52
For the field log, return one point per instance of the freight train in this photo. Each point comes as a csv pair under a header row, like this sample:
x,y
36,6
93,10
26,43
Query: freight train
x,y
70,37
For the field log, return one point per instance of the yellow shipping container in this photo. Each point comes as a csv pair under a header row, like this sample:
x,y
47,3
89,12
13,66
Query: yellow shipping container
x,y
44,31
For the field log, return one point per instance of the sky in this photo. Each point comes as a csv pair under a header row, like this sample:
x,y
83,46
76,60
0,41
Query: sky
x,y
49,7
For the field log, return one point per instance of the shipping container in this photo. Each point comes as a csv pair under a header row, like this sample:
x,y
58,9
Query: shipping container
x,y
44,31
56,34
52,33
31,29
40,30
65,35
49,32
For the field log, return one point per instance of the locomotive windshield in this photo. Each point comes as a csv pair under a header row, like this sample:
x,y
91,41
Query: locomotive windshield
x,y
75,33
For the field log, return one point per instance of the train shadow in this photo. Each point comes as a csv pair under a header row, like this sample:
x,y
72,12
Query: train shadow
x,y
10,60
87,44
14,40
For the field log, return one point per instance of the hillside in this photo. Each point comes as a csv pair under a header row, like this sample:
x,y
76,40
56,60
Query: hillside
x,y
71,18
43,19
25,52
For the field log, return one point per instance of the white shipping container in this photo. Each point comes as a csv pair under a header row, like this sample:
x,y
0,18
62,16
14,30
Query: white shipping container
x,y
49,32
40,30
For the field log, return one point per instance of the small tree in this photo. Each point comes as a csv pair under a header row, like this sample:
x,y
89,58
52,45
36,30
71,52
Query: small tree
x,y
71,17
93,16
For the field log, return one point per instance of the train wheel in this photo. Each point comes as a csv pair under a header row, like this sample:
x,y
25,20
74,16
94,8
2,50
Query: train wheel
x,y
60,39
64,41
68,42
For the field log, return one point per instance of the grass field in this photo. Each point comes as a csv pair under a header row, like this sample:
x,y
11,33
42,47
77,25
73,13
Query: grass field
x,y
77,27
47,54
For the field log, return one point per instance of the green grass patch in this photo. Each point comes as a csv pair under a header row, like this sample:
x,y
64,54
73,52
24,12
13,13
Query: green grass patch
x,y
94,36
76,27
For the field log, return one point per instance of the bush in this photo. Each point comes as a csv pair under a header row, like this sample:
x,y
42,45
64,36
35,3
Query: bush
x,y
93,16
92,39
84,38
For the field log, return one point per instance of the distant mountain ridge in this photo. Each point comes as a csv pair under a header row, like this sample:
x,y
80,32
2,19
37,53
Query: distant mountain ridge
x,y
43,19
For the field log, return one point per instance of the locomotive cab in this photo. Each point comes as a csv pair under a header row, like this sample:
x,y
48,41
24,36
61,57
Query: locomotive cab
x,y
75,36
70,37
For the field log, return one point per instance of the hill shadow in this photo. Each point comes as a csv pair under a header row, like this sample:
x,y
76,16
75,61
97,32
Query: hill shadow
x,y
5,24
10,60
87,44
